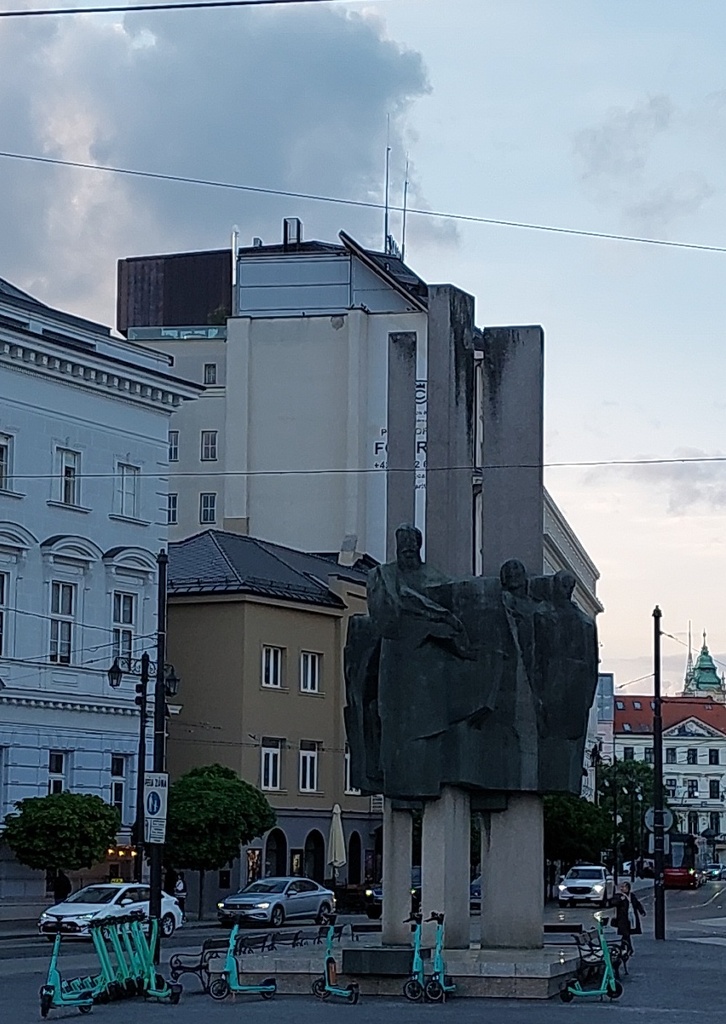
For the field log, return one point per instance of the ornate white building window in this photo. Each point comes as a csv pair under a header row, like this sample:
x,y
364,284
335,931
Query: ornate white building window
x,y
62,621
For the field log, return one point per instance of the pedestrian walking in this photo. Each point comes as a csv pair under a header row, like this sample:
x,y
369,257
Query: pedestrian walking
x,y
62,887
628,911
180,892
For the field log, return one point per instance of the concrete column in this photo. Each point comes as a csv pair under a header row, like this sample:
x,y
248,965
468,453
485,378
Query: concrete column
x,y
512,842
512,426
397,836
445,855
401,435
449,445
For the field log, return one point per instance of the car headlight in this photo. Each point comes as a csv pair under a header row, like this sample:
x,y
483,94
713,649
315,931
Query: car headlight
x,y
84,917
45,917
562,887
262,906
369,892
220,906
598,888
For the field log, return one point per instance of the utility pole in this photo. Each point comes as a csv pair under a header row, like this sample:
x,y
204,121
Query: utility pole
x,y
658,831
616,783
156,854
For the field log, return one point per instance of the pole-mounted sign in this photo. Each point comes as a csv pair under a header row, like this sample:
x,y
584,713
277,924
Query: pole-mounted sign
x,y
156,792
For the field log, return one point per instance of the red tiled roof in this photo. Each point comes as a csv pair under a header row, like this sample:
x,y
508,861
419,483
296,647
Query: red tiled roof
x,y
675,710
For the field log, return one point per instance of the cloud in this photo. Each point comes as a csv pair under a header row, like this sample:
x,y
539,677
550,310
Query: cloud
x,y
294,99
688,487
630,162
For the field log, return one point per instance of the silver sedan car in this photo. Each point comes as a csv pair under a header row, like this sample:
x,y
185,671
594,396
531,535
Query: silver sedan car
x,y
276,900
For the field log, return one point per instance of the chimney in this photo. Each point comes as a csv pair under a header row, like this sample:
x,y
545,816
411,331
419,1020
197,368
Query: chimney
x,y
291,232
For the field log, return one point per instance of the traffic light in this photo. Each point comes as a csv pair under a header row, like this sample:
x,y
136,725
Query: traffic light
x,y
139,698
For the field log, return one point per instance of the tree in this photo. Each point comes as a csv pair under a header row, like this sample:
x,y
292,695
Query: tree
x,y
212,812
574,829
632,783
62,830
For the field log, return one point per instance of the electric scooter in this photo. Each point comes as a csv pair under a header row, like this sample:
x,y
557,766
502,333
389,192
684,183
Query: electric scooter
x,y
323,988
609,985
154,985
413,987
440,984
56,993
229,980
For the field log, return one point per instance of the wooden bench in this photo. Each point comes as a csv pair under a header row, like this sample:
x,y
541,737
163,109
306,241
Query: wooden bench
x,y
356,930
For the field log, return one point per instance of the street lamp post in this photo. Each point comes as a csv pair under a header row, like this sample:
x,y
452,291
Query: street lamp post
x,y
165,685
115,675
658,830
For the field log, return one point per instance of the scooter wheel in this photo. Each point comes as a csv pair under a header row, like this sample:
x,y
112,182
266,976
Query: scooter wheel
x,y
566,995
219,988
434,991
85,1009
353,993
318,989
175,992
413,990
271,983
615,990
46,1001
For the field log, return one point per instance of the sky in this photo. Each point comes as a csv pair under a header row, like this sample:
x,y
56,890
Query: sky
x,y
589,114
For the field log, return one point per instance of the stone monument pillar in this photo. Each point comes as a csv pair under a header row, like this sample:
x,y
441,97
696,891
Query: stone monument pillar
x,y
512,843
397,836
445,845
512,526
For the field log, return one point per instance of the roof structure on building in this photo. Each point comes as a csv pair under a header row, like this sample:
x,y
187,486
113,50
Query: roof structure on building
x,y
703,677
634,714
217,561
25,303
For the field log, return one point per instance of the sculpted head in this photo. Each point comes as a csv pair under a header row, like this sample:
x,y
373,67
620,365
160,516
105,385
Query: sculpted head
x,y
563,586
513,576
408,546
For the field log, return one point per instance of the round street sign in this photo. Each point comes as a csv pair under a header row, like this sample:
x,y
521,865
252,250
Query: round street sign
x,y
649,819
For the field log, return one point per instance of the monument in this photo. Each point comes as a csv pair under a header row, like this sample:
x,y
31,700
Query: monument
x,y
467,691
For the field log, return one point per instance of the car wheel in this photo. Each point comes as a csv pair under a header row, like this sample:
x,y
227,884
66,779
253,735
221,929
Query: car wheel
x,y
168,925
277,917
323,914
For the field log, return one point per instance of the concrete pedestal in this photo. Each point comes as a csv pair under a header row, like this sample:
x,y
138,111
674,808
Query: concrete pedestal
x,y
512,874
445,855
397,835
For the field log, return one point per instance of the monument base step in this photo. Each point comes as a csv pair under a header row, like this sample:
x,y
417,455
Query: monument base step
x,y
477,973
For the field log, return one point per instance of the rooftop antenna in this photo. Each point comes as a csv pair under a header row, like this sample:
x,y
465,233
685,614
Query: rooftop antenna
x,y
388,176
235,243
405,211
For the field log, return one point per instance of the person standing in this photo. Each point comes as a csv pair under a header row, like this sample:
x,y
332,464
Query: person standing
x,y
180,892
62,887
628,911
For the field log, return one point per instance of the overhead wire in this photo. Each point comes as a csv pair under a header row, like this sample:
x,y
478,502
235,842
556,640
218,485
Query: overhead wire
x,y
175,5
346,470
361,203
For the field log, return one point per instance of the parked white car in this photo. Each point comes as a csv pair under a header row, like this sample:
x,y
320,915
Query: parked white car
x,y
74,915
586,883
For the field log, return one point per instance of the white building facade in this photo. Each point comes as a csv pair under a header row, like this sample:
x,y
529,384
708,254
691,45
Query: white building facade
x,y
694,756
84,423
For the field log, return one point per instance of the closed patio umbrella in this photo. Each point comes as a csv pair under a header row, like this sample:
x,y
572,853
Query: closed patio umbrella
x,y
336,842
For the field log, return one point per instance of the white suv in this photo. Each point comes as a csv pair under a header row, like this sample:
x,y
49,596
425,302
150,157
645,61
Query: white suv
x,y
586,883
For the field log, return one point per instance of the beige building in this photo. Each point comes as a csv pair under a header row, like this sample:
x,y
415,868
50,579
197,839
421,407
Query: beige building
x,y
256,633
